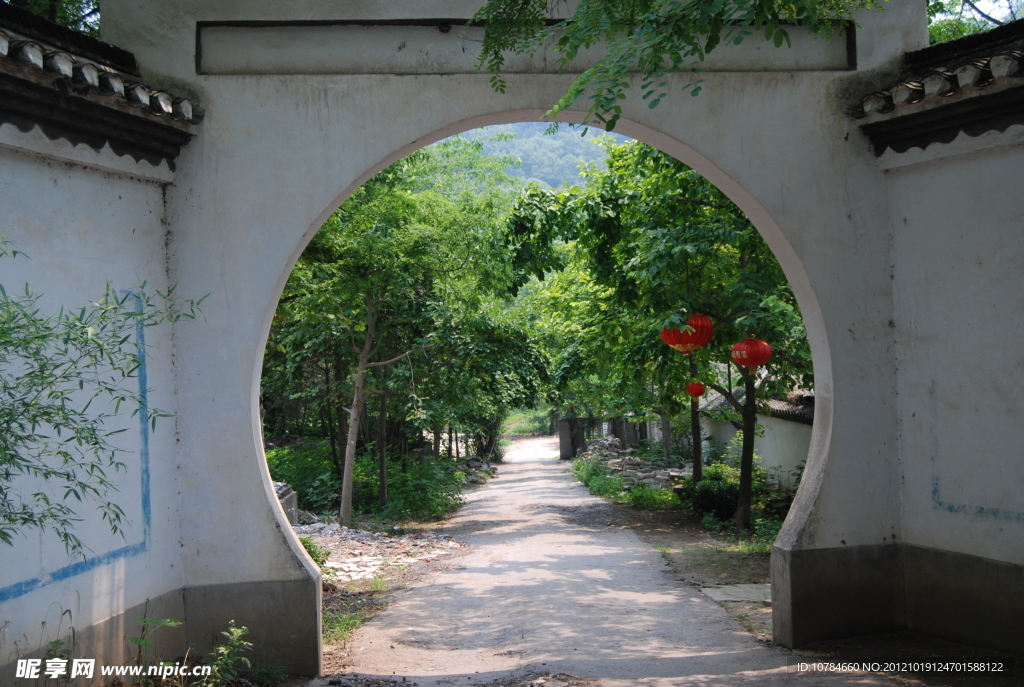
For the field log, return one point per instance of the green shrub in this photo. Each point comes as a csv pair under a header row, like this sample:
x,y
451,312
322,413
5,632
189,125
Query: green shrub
x,y
652,453
710,522
721,472
427,492
715,497
767,529
526,421
318,553
606,486
594,474
649,498
309,468
715,453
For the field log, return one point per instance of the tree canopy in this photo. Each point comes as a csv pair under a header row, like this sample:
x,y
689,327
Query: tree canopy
x,y
647,243
385,304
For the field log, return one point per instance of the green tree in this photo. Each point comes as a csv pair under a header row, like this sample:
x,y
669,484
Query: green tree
x,y
952,19
64,379
649,37
384,306
660,242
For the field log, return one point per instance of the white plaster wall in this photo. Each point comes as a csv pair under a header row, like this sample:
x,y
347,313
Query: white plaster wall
x,y
957,227
276,154
81,228
783,447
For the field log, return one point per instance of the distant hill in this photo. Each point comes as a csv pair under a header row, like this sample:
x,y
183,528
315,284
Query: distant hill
x,y
551,160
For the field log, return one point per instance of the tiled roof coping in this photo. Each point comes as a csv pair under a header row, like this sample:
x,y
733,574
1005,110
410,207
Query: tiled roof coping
x,y
970,85
1000,39
82,100
34,27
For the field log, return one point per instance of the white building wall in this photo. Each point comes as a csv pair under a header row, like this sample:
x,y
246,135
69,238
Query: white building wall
x,y
782,449
888,261
81,226
959,296
278,152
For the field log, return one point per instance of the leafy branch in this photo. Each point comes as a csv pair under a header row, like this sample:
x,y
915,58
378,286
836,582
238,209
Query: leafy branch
x,y
649,38
63,381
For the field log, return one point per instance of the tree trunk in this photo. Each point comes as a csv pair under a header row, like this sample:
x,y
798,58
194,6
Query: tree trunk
x,y
339,464
404,448
345,512
696,441
747,455
695,433
437,444
451,446
331,435
382,449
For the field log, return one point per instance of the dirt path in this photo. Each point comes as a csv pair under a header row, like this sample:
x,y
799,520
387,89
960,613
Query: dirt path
x,y
549,588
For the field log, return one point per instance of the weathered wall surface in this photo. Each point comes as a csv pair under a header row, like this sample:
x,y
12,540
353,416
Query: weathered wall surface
x,y
957,223
82,226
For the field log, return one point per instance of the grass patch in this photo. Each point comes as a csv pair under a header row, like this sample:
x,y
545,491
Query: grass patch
x,y
649,498
757,542
344,613
338,627
528,422
265,675
318,553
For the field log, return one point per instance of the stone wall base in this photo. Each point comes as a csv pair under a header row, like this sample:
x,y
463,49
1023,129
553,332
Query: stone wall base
x,y
283,619
843,592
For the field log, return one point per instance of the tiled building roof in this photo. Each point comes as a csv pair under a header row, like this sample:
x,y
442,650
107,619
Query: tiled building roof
x,y
91,96
802,411
971,85
797,407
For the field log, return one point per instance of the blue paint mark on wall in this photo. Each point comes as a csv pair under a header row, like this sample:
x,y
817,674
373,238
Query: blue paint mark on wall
x,y
937,501
68,571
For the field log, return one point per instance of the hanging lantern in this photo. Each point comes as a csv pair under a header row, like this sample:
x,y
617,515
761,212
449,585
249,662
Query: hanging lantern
x,y
695,389
751,353
699,332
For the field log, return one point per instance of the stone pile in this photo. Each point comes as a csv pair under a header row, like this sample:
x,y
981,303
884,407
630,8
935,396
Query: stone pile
x,y
362,555
477,471
634,470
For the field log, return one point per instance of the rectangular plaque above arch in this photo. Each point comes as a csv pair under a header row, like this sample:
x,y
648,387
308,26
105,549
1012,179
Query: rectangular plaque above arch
x,y
449,46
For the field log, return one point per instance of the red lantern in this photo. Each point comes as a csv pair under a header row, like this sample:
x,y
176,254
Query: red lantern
x,y
751,353
695,389
698,332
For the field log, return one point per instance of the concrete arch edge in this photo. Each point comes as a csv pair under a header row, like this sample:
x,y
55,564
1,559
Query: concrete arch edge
x,y
800,282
